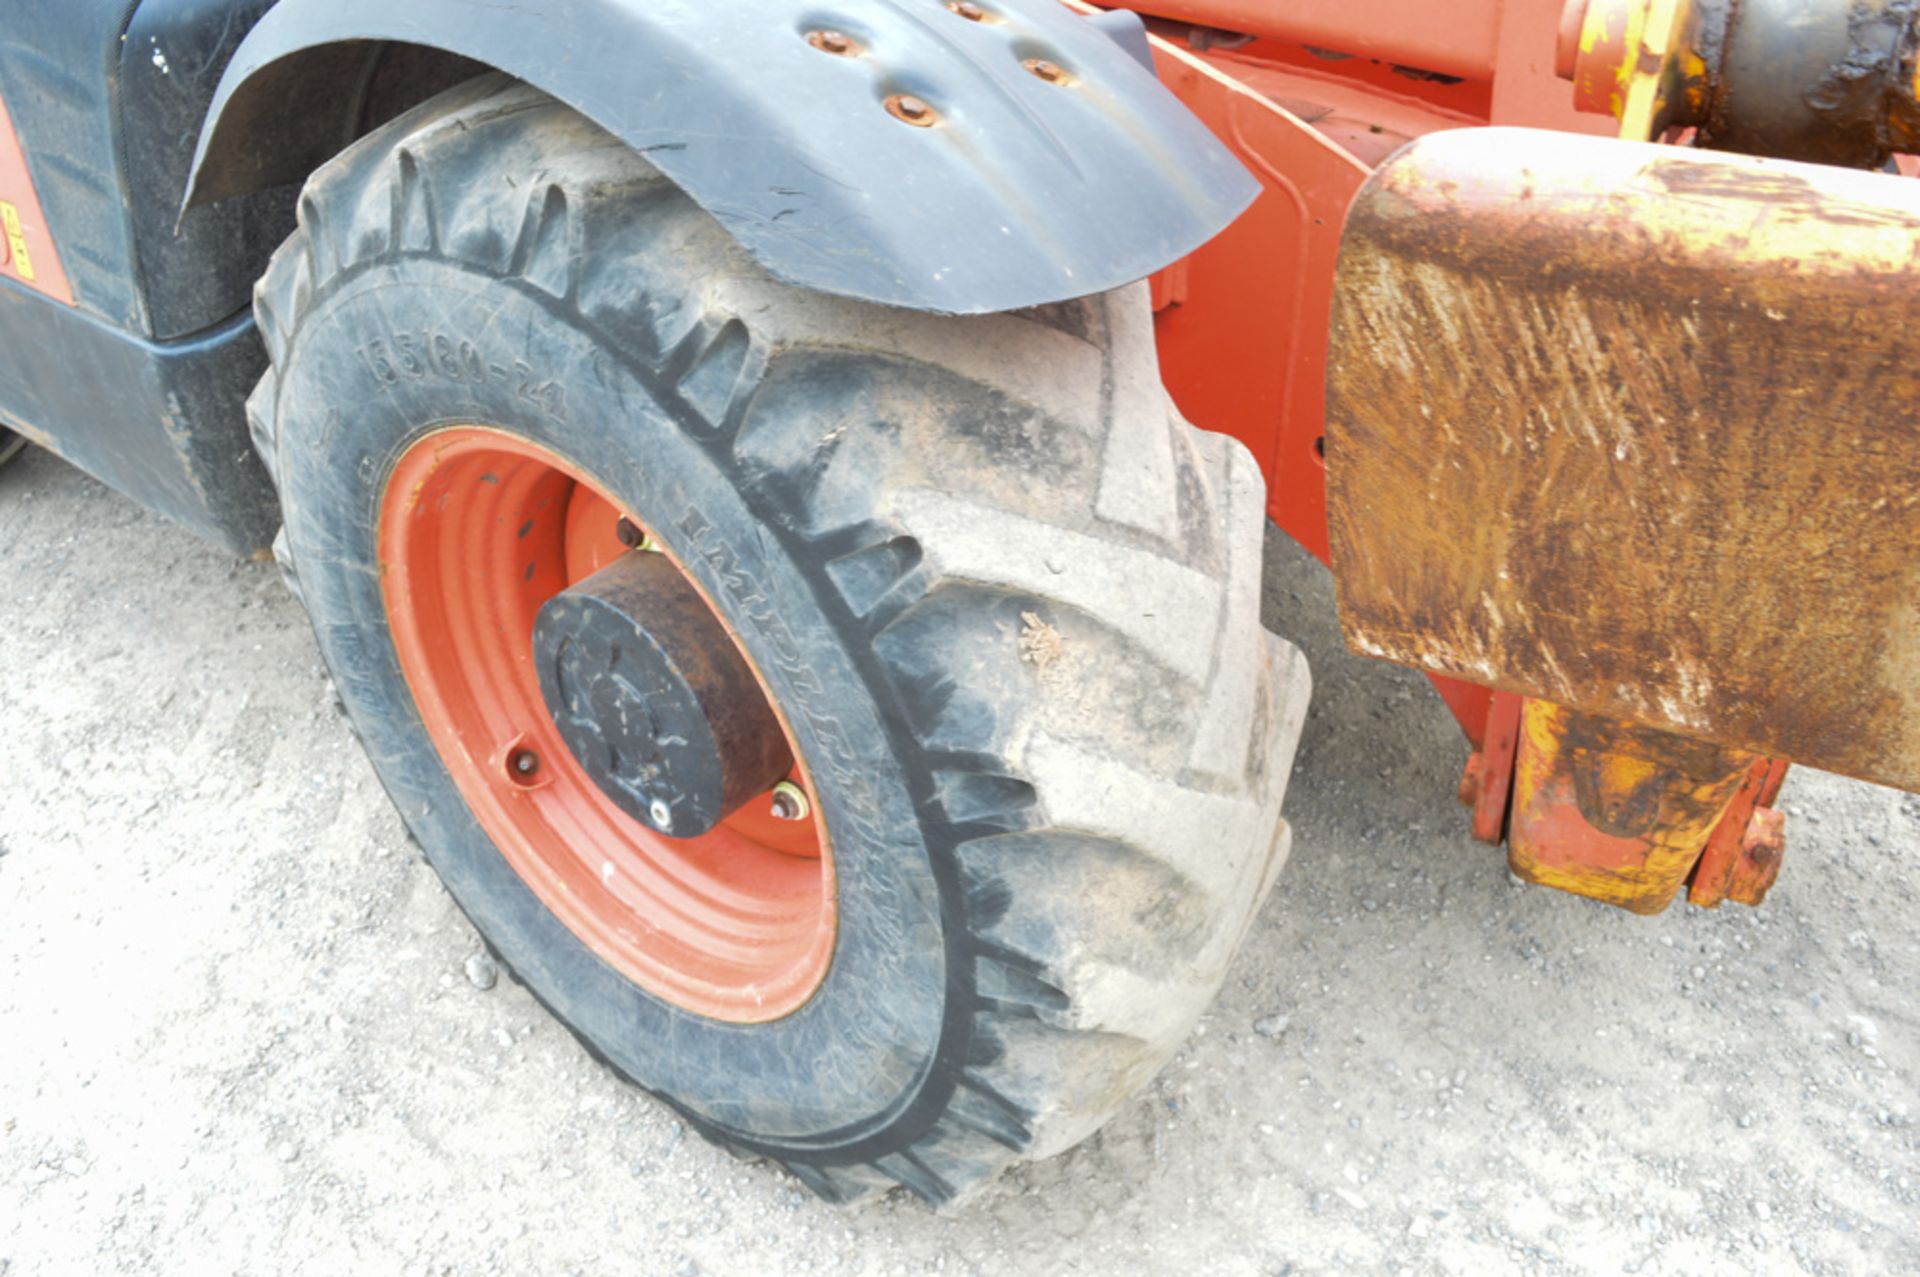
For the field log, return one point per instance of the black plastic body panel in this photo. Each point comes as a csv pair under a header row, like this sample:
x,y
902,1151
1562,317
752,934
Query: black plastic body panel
x,y
108,99
170,67
58,64
1026,192
198,270
144,385
164,423
1022,192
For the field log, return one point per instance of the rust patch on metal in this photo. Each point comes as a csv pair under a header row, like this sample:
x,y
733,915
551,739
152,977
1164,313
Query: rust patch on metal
x,y
1761,849
1633,430
1832,83
1826,82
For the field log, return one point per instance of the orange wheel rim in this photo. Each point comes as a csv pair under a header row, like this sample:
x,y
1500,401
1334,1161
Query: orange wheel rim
x,y
478,529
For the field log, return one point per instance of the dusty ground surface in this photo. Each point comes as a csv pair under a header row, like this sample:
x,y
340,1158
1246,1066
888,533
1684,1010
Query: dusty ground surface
x,y
236,1036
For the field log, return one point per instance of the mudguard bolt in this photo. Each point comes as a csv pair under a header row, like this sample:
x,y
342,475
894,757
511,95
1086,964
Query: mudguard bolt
x,y
1048,71
834,42
905,106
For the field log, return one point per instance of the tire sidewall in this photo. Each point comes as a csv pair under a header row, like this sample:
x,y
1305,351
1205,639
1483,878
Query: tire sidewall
x,y
845,1076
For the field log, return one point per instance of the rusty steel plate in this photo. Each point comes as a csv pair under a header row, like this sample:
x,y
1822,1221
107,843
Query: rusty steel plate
x,y
1636,429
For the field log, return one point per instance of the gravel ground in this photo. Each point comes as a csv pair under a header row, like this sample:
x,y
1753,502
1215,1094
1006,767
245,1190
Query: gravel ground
x,y
237,1032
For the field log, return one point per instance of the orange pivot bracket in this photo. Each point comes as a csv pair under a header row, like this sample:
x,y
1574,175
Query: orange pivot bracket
x,y
1742,858
1627,59
1487,784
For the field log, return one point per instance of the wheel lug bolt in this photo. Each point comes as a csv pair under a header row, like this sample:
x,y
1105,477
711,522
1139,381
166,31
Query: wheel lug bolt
x,y
790,802
1048,71
968,10
525,762
661,815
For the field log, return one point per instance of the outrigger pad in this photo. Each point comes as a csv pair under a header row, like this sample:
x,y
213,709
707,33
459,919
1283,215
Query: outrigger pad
x,y
1636,429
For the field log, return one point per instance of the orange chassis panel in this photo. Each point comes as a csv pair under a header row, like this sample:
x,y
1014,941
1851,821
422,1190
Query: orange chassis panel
x,y
1243,328
1243,322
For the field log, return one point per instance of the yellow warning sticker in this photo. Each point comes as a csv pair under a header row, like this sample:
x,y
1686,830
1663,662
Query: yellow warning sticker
x,y
16,240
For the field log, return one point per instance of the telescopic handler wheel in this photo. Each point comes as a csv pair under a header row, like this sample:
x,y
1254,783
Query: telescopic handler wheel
x,y
855,725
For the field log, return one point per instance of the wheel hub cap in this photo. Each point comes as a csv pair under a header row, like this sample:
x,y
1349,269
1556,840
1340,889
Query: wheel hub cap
x,y
652,697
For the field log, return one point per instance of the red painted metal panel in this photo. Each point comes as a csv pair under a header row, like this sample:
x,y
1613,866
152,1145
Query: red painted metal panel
x,y
1459,38
1243,321
1243,349
1488,783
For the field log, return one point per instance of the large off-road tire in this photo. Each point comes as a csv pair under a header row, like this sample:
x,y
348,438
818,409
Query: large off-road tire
x,y
1004,600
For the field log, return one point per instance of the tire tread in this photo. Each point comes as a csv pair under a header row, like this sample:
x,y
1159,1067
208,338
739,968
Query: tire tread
x,y
1022,501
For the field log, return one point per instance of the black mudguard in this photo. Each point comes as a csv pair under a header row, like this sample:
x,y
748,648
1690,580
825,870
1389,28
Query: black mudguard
x,y
1024,192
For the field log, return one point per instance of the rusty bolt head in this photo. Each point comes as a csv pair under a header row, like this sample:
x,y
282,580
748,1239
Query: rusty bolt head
x,y
630,534
1048,71
905,106
968,10
1470,780
790,802
837,43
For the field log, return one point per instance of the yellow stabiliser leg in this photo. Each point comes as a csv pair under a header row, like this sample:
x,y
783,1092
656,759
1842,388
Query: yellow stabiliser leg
x,y
1615,812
